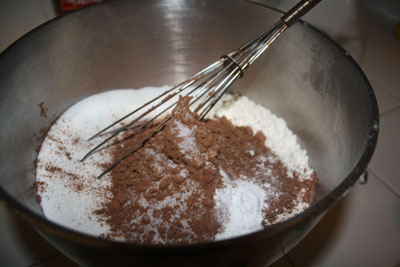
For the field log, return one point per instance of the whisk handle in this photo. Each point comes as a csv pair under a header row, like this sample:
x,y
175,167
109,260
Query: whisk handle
x,y
300,9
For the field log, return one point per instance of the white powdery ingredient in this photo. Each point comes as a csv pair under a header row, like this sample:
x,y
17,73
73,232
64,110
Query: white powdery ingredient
x,y
188,146
240,203
233,199
60,201
280,139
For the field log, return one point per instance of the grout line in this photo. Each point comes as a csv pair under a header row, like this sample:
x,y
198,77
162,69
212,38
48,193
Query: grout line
x,y
44,260
286,255
384,183
291,262
390,110
375,83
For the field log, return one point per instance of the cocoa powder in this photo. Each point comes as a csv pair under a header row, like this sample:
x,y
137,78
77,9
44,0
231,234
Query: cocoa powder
x,y
74,180
164,192
43,110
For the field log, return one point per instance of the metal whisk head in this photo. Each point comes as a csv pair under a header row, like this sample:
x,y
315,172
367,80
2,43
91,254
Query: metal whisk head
x,y
205,87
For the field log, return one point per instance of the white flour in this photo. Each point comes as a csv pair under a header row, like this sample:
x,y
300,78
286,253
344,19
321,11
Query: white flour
x,y
240,206
280,139
240,203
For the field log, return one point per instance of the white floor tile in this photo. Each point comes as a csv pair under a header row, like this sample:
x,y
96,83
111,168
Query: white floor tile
x,y
362,230
20,245
386,100
385,162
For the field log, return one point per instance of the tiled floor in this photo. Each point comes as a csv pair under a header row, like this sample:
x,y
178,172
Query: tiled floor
x,y
361,230
364,228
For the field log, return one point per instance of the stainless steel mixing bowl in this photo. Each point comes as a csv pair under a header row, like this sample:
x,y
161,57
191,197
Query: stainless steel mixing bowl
x,y
304,77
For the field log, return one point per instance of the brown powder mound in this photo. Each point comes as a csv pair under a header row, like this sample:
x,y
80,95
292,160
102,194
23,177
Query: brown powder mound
x,y
164,192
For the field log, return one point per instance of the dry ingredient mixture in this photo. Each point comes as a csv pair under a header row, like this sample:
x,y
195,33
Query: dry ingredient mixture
x,y
194,181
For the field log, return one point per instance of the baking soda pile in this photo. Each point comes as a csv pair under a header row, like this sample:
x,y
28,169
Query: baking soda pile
x,y
163,211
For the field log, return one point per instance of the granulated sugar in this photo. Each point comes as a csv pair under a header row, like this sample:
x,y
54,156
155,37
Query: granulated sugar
x,y
243,200
69,189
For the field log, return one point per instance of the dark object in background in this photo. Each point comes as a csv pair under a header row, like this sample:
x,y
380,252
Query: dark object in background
x,y
65,6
